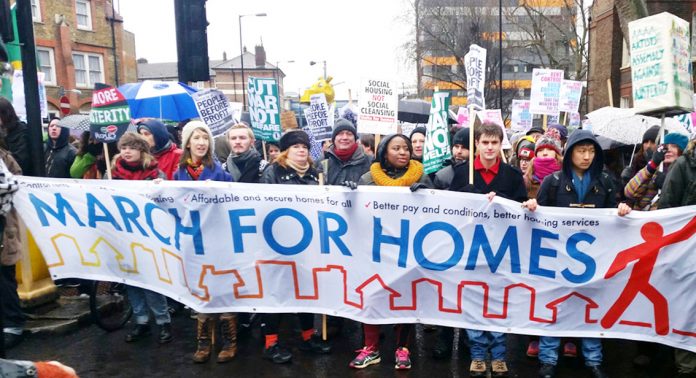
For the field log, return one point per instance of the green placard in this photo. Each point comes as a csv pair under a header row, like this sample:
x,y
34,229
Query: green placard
x,y
264,108
437,144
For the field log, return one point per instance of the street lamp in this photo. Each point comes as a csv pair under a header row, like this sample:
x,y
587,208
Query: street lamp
x,y
323,61
241,52
278,72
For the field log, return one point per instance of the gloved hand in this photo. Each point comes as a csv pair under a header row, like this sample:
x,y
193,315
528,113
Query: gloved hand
x,y
418,185
350,184
659,155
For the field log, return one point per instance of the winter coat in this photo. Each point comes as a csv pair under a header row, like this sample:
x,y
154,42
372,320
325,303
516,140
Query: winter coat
x,y
340,171
277,174
508,183
12,237
17,142
443,178
601,192
251,166
168,160
214,174
643,187
59,155
680,185
82,165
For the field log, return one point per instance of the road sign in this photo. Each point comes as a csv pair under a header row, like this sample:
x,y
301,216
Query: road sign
x,y
64,105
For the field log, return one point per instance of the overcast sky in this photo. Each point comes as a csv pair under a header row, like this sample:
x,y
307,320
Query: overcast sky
x,y
362,38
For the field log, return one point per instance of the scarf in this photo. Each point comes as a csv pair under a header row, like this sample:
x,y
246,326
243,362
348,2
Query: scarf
x,y
581,185
345,155
124,170
194,169
412,175
237,163
300,169
544,167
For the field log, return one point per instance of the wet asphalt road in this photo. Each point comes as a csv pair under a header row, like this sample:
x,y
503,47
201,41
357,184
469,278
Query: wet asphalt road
x,y
95,353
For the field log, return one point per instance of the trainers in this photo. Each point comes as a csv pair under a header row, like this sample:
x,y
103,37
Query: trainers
x,y
138,332
315,345
402,359
165,333
547,371
477,368
533,349
366,356
277,354
597,371
570,350
499,368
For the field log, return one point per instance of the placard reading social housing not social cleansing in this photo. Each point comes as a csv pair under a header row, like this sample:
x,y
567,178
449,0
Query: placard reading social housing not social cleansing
x,y
546,88
378,107
264,108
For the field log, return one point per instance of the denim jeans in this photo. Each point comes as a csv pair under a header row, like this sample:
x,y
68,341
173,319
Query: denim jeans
x,y
142,299
480,341
548,350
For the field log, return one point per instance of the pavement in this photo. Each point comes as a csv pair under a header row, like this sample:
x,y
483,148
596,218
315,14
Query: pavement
x,y
65,333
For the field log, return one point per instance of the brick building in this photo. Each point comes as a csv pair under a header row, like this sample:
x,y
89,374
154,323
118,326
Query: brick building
x,y
75,49
610,63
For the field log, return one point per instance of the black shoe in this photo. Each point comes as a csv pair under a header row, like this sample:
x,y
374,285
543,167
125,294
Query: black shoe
x,y
138,332
277,354
165,334
442,348
547,371
597,372
315,345
12,339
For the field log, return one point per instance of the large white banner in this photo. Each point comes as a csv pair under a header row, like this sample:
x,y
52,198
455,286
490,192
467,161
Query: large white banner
x,y
378,255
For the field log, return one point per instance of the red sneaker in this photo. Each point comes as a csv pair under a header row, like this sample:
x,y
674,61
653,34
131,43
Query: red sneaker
x,y
570,350
533,349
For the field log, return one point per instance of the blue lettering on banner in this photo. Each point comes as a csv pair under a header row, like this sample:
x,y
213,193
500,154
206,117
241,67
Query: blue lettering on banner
x,y
129,216
273,243
92,217
62,206
378,239
425,231
480,241
149,208
537,251
193,230
334,235
588,261
238,230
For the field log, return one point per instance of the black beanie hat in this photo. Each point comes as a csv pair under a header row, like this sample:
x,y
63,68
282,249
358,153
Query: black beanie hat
x,y
461,137
418,130
341,125
293,137
651,134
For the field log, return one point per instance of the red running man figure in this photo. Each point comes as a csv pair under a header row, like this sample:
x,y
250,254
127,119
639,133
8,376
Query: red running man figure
x,y
645,255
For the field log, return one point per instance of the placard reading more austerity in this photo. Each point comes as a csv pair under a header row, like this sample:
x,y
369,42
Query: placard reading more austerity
x,y
264,108
379,255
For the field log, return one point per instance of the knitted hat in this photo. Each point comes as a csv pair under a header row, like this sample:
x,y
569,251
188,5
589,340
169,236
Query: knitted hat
x,y
551,139
535,129
293,137
134,140
159,133
651,134
680,140
524,142
461,137
562,130
418,130
525,152
343,124
190,128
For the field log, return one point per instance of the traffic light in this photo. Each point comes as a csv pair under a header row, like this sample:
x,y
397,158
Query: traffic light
x,y
191,40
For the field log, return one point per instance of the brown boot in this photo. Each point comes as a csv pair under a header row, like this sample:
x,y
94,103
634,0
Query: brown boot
x,y
228,331
206,329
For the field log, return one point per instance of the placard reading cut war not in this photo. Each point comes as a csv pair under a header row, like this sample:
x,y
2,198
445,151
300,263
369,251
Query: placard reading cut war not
x,y
264,108
437,145
378,107
546,87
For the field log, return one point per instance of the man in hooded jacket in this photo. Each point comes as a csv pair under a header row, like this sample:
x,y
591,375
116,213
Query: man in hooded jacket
x,y
58,153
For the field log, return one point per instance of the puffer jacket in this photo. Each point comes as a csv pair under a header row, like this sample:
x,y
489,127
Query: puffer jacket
x,y
12,238
59,155
340,171
680,185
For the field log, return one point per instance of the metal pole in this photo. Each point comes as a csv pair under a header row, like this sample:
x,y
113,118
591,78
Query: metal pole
x,y
325,70
113,43
241,52
500,54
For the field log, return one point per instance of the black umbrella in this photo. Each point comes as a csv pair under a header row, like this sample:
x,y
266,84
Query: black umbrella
x,y
608,143
414,111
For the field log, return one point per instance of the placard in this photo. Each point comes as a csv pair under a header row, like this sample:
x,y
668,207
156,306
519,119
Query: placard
x,y
546,88
264,108
214,109
475,64
378,106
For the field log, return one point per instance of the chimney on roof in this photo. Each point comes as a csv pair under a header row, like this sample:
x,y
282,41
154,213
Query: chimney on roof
x,y
260,56
141,60
224,56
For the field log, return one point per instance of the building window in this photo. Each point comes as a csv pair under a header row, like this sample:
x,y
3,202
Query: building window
x,y
625,102
84,14
35,11
89,69
46,64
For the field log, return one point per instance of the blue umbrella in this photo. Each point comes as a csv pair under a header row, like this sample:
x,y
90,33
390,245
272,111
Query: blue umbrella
x,y
160,99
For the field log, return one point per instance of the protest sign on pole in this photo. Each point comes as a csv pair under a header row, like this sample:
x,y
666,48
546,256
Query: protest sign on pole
x,y
18,99
545,93
237,111
495,116
408,127
569,96
475,64
521,118
376,255
661,64
110,114
264,108
317,116
575,120
214,109
378,107
436,150
463,116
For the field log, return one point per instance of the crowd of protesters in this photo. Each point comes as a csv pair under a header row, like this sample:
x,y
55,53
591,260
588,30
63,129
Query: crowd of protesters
x,y
547,167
